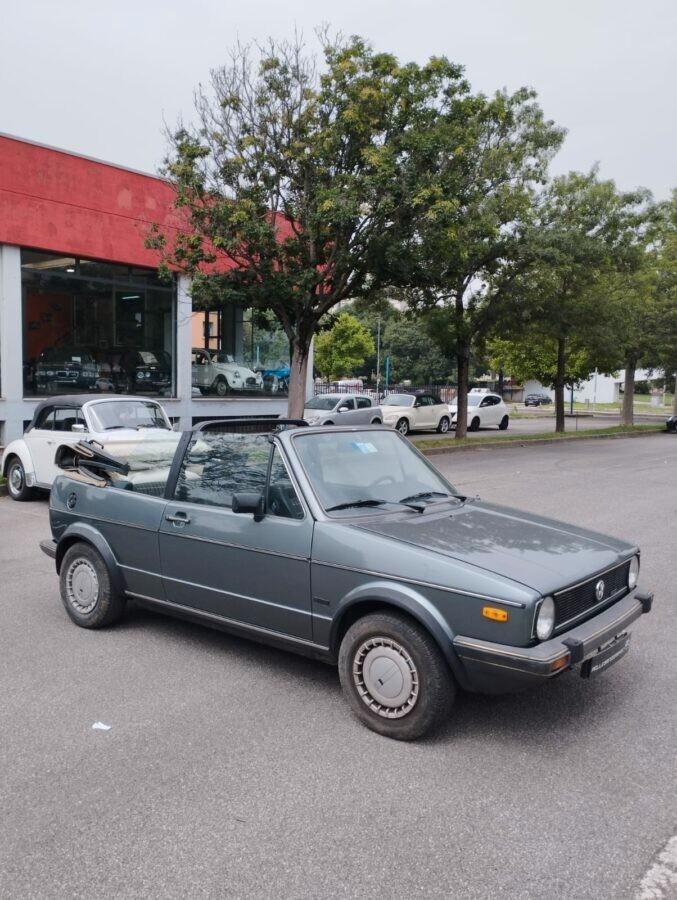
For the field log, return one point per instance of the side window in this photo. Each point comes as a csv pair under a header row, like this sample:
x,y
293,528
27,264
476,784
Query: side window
x,y
348,403
363,402
282,499
218,465
64,419
46,419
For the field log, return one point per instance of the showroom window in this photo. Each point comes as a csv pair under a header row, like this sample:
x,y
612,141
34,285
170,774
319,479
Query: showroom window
x,y
95,327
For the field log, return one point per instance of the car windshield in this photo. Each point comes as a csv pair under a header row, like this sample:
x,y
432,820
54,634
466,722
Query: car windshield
x,y
224,359
475,399
112,414
150,358
325,401
364,471
398,400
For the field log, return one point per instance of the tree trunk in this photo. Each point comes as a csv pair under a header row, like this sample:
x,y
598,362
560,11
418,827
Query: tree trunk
x,y
501,383
462,357
297,379
627,413
559,385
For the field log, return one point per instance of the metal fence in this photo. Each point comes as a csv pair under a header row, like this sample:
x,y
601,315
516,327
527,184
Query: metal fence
x,y
446,392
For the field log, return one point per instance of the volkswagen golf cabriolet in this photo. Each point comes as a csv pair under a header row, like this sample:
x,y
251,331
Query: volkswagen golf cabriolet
x,y
345,544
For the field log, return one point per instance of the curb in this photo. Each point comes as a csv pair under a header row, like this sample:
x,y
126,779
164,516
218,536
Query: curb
x,y
508,442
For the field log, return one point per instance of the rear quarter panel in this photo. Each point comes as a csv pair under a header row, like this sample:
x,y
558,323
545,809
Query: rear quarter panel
x,y
128,522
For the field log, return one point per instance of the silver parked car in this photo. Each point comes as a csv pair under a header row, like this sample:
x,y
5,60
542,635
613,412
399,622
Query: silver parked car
x,y
347,545
349,409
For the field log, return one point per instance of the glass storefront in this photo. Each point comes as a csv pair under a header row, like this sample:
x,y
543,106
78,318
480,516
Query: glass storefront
x,y
95,327
238,351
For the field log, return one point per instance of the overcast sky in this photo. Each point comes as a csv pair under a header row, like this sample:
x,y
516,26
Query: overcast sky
x,y
98,77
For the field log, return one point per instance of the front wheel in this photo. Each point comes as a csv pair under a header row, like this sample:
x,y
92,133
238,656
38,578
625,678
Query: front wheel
x,y
86,590
375,422
394,676
403,426
221,387
503,425
443,425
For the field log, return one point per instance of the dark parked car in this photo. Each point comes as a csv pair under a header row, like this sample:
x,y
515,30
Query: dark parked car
x,y
345,544
537,400
145,370
60,369
671,423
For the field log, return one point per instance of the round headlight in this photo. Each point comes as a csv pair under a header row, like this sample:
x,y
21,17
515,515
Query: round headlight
x,y
545,620
633,572
139,376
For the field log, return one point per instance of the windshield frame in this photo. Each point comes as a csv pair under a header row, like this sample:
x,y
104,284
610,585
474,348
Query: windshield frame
x,y
392,508
96,424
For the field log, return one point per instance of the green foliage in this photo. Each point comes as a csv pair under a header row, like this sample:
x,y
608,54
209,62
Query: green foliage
x,y
342,350
534,356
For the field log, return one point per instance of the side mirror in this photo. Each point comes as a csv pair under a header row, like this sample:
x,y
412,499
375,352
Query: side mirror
x,y
79,428
249,502
342,409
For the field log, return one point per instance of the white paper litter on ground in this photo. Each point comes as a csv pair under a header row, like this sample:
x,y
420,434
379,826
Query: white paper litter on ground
x,y
101,726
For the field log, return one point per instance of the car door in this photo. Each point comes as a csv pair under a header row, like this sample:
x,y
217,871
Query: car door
x,y
364,413
346,411
488,410
232,565
199,368
52,430
426,412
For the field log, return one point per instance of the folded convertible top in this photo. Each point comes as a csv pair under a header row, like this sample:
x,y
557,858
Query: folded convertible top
x,y
88,462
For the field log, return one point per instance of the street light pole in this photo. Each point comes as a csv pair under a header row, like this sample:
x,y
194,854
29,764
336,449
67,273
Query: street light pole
x,y
378,357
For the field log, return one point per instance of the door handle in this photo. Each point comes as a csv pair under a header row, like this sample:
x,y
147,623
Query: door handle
x,y
178,519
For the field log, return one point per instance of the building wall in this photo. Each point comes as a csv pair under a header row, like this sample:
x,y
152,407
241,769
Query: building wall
x,y
59,202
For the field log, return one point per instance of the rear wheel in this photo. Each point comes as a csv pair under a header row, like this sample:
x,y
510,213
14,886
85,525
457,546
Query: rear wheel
x,y
16,481
503,425
86,591
376,421
403,426
443,425
475,424
394,676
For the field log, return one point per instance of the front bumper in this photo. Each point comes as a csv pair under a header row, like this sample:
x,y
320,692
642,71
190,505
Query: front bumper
x,y
496,668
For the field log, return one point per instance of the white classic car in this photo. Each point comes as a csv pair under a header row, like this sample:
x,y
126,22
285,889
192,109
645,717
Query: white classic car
x,y
216,372
418,411
484,408
28,463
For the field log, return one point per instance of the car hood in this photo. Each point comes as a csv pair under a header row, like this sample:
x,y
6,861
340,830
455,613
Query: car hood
x,y
541,553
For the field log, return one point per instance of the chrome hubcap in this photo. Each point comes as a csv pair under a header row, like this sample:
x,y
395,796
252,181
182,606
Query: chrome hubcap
x,y
82,585
16,479
403,428
385,677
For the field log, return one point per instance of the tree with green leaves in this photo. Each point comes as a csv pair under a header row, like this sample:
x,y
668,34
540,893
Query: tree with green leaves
x,y
582,233
486,158
342,350
533,356
294,183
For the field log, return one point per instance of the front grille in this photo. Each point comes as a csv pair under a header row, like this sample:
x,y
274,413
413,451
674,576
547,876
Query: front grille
x,y
574,602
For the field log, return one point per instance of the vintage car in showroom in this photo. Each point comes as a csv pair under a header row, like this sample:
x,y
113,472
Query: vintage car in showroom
x,y
216,372
59,369
347,545
28,463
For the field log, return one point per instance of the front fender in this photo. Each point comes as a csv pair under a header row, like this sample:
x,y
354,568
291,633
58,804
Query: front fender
x,y
19,448
82,531
410,601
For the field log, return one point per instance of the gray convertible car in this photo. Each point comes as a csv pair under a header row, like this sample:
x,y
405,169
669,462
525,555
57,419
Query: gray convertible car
x,y
347,545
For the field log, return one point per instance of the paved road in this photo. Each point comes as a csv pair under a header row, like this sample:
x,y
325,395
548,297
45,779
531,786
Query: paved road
x,y
542,422
233,770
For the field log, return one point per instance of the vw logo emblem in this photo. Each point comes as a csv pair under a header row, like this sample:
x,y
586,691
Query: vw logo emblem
x,y
599,590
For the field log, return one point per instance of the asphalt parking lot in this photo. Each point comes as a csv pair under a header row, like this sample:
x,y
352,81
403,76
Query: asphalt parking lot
x,y
234,770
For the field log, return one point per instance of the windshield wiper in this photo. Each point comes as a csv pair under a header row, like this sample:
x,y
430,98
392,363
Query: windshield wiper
x,y
372,501
113,427
424,495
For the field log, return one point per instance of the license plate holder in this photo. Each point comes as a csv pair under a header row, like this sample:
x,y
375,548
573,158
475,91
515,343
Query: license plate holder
x,y
606,657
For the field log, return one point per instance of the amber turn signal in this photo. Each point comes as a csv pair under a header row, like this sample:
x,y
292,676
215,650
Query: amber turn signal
x,y
496,615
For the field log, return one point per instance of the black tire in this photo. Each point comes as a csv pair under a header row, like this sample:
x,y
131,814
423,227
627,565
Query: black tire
x,y
443,425
475,424
503,424
16,481
431,690
221,387
375,422
93,602
403,426
328,423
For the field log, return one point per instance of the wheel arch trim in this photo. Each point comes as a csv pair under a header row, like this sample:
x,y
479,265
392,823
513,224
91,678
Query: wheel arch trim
x,y
386,594
82,531
18,448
